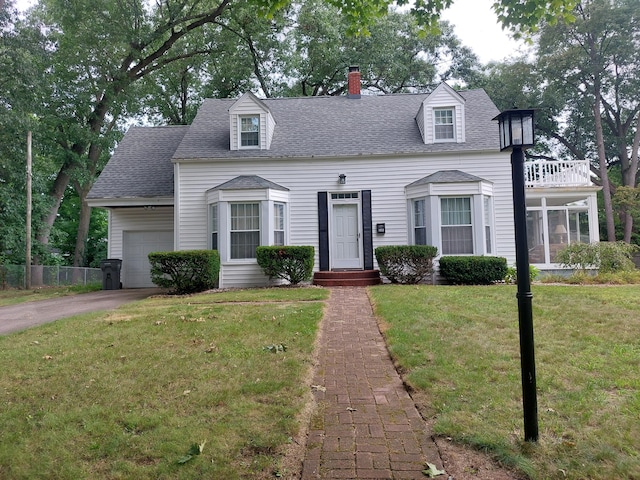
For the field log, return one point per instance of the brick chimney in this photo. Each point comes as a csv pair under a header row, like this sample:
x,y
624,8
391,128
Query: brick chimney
x,y
353,81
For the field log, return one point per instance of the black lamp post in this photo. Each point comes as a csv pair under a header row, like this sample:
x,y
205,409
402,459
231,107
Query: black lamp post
x,y
516,134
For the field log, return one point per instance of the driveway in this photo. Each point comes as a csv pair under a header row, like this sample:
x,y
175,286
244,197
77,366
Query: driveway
x,y
29,314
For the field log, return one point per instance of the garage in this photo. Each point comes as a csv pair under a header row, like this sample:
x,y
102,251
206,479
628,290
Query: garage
x,y
136,270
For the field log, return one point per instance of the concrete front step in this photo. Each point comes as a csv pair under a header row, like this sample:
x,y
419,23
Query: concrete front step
x,y
347,278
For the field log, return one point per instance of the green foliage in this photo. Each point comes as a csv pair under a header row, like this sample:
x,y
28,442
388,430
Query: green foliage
x,y
473,270
512,274
407,264
468,380
127,396
291,263
607,257
185,271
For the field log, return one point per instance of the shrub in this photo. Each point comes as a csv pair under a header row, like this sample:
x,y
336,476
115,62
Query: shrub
x,y
512,274
291,263
473,270
185,271
607,257
407,264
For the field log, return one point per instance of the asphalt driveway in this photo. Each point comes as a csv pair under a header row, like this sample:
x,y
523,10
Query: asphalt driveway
x,y
29,314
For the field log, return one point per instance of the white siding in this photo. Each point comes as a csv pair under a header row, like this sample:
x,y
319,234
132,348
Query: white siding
x,y
243,275
385,177
135,220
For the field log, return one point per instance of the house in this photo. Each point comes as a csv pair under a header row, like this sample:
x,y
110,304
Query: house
x,y
343,174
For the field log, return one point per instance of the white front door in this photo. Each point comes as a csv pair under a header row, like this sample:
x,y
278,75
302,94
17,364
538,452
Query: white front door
x,y
345,236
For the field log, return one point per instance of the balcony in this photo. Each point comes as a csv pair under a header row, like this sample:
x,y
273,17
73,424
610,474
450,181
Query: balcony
x,y
557,173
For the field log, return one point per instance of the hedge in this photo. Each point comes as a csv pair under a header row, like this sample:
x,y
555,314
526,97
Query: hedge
x,y
407,264
185,271
291,263
473,270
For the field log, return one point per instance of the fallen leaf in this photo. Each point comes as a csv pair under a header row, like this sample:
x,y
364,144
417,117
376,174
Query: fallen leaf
x,y
432,471
318,388
351,409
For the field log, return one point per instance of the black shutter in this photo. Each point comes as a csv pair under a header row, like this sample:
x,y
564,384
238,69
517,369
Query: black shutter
x,y
367,230
323,230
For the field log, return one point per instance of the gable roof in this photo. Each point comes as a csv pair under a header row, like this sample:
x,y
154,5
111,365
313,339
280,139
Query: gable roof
x,y
447,176
249,182
307,127
141,165
249,97
339,127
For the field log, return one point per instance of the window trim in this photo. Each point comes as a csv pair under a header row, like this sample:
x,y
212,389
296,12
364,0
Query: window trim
x,y
214,226
241,131
415,216
471,224
453,137
283,219
231,231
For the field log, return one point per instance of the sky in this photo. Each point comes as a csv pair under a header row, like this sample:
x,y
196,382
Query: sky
x,y
476,25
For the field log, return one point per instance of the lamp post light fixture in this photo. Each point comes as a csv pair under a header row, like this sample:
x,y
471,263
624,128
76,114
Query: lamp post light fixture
x,y
517,134
342,179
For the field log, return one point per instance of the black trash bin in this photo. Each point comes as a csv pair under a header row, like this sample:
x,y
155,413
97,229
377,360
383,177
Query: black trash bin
x,y
111,273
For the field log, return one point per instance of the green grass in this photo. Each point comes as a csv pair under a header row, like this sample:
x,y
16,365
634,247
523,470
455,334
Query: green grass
x,y
14,296
126,394
459,349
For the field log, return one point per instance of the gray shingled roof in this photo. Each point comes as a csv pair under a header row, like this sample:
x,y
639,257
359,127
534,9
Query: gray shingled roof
x,y
249,182
141,165
339,126
447,176
306,127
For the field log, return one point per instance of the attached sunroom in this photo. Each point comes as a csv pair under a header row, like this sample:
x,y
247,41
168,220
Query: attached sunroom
x,y
562,208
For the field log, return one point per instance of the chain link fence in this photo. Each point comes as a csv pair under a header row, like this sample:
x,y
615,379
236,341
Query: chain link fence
x,y
13,276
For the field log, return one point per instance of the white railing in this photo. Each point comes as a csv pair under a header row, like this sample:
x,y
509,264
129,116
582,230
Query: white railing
x,y
557,173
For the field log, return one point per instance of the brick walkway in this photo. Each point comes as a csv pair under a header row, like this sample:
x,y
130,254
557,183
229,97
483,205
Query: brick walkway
x,y
366,426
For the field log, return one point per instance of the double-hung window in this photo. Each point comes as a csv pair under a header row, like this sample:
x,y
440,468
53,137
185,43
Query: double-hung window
x,y
443,124
419,222
456,225
213,225
245,230
278,223
250,131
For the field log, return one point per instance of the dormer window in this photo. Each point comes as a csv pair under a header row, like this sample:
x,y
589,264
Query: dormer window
x,y
441,117
444,129
251,124
250,131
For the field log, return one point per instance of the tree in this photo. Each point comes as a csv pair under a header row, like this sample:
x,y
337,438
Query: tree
x,y
100,52
584,79
603,42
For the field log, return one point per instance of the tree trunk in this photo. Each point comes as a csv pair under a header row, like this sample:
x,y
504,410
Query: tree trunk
x,y
602,159
631,179
83,227
57,192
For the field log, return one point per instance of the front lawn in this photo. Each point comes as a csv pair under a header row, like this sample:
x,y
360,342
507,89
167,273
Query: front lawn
x,y
206,386
14,295
459,349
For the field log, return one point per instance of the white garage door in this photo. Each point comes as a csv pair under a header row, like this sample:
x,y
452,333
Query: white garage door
x,y
136,270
